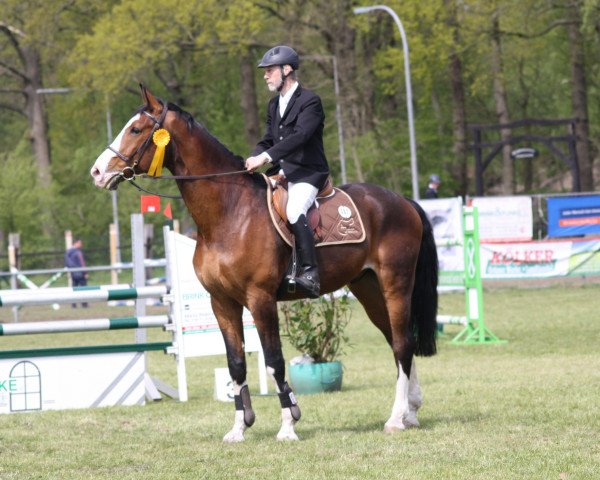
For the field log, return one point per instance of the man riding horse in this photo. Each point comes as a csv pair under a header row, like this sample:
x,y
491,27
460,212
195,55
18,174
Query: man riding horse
x,y
293,144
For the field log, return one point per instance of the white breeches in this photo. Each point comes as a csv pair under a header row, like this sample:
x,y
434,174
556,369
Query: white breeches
x,y
300,197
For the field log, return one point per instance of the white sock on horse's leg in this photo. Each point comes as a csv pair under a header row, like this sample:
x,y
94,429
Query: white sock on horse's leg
x,y
244,415
401,409
290,411
415,398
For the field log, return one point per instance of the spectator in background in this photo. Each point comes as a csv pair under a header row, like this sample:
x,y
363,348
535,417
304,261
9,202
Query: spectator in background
x,y
432,187
74,259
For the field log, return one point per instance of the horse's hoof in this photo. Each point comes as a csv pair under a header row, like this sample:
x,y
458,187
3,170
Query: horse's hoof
x,y
287,437
233,437
411,422
394,427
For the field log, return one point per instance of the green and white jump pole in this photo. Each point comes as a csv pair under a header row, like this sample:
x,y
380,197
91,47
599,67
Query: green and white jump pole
x,y
13,298
88,325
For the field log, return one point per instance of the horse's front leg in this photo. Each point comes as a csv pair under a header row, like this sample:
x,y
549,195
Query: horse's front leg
x,y
267,323
229,316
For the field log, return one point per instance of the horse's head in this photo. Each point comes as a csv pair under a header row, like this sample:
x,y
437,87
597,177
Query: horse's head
x,y
133,150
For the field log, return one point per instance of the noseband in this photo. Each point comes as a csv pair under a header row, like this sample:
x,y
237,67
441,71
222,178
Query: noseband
x,y
128,173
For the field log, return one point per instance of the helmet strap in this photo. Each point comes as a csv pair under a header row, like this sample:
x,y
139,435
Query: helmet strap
x,y
283,78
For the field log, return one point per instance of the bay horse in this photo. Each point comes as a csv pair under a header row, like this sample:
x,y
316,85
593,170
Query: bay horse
x,y
241,260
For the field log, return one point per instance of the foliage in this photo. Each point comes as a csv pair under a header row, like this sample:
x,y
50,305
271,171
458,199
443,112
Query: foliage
x,y
316,327
22,203
190,53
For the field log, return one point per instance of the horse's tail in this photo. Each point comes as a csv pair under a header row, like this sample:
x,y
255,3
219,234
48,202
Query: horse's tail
x,y
424,304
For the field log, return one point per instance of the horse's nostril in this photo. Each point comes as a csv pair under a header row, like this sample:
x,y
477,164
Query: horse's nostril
x,y
95,172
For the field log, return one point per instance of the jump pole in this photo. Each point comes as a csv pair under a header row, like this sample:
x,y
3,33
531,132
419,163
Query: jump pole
x,y
88,325
12,298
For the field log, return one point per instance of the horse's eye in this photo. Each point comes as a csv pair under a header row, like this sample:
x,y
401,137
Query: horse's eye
x,y
135,130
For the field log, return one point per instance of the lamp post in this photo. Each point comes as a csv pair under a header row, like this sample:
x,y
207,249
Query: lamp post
x,y
113,193
409,107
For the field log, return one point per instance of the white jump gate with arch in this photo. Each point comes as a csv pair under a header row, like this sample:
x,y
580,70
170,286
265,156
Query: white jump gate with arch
x,y
93,376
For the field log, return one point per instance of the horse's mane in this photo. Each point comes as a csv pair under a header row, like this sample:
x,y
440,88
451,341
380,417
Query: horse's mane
x,y
191,123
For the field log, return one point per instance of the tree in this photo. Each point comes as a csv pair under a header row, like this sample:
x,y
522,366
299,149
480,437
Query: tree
x,y
22,73
579,94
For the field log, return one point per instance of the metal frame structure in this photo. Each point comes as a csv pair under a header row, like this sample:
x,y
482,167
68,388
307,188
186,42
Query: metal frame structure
x,y
482,162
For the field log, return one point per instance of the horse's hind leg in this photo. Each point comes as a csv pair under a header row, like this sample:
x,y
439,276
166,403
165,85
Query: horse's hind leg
x,y
368,291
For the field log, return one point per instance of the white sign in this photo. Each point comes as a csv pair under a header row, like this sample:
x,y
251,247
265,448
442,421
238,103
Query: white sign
x,y
445,215
61,382
503,219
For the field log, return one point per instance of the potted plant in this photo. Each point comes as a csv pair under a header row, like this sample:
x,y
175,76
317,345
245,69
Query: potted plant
x,y
316,329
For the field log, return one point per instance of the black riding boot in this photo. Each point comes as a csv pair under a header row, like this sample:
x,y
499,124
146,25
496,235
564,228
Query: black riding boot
x,y
307,276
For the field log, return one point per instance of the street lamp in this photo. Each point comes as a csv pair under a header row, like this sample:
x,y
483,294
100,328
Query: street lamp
x,y
115,208
411,128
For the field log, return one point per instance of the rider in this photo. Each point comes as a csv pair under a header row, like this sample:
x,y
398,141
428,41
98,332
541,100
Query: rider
x,y
293,144
432,186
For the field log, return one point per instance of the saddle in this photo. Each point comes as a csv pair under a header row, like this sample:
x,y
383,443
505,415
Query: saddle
x,y
333,219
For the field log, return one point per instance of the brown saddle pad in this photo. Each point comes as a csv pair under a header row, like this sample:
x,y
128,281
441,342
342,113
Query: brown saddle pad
x,y
335,221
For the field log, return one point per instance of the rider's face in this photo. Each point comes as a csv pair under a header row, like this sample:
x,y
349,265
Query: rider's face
x,y
273,77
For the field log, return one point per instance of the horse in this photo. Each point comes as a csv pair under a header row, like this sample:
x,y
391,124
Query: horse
x,y
241,260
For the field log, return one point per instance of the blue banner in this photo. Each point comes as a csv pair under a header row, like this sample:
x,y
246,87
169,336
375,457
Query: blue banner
x,y
573,216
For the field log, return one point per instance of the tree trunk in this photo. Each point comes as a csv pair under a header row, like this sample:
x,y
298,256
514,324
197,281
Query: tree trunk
x,y
459,111
508,176
252,128
579,99
34,108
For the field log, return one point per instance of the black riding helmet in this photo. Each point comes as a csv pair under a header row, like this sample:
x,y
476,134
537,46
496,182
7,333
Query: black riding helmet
x,y
280,55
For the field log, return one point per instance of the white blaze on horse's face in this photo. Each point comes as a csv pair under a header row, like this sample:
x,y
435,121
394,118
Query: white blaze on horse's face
x,y
101,169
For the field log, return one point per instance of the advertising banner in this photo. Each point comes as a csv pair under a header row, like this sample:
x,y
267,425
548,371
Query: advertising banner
x,y
60,382
540,259
504,219
574,216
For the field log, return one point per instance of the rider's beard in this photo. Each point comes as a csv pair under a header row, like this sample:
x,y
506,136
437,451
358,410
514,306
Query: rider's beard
x,y
275,86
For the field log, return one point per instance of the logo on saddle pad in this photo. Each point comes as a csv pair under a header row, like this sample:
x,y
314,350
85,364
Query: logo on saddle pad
x,y
344,211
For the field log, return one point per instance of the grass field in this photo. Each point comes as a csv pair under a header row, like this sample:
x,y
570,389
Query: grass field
x,y
528,409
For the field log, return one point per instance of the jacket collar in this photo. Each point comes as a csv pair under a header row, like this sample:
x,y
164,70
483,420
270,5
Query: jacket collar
x,y
295,95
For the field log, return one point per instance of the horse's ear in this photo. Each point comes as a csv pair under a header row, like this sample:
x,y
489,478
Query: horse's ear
x,y
150,100
144,93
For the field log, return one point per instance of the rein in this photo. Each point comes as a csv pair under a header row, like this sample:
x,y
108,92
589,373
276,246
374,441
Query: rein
x,y
130,176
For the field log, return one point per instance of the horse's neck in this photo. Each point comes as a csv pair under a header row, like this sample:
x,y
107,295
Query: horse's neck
x,y
202,154
213,202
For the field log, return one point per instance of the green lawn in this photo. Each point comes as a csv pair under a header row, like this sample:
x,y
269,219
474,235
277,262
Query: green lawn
x,y
528,409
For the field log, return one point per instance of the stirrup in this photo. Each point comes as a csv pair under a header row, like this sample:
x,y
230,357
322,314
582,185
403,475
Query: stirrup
x,y
308,285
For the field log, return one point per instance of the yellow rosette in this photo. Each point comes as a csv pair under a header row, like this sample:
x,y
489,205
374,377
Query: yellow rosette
x,y
161,139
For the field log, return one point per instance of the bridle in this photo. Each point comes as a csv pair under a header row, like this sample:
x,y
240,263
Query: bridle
x,y
128,173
